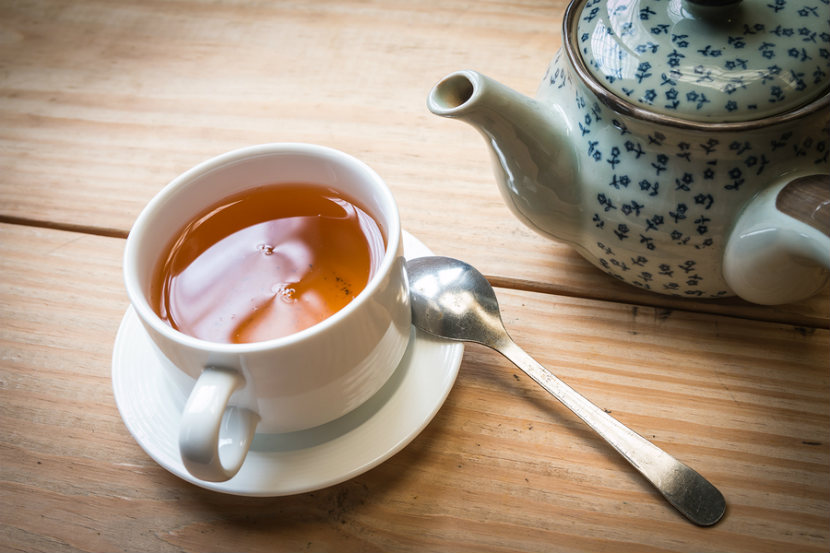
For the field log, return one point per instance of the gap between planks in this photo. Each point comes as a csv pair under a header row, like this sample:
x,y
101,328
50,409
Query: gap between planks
x,y
525,285
81,229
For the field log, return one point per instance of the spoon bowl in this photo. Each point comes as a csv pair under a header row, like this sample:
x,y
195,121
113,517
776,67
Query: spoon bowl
x,y
453,300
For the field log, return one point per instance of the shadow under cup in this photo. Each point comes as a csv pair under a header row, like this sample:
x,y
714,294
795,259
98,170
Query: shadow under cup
x,y
304,379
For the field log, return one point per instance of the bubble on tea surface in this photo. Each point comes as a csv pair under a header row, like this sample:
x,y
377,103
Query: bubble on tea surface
x,y
285,291
267,249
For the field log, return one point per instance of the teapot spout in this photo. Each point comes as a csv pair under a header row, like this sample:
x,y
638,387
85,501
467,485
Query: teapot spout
x,y
530,145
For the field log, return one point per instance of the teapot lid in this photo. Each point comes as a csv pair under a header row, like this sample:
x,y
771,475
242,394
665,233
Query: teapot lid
x,y
706,60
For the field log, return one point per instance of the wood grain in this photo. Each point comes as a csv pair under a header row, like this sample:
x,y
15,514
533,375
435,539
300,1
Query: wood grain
x,y
102,103
501,468
807,199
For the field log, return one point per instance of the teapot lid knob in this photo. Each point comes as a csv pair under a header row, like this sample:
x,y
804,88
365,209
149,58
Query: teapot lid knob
x,y
715,10
703,60
714,3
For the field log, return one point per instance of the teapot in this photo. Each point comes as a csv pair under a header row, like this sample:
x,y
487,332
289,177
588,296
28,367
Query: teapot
x,y
679,145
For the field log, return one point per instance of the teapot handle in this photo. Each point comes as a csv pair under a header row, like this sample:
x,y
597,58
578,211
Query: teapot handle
x,y
779,249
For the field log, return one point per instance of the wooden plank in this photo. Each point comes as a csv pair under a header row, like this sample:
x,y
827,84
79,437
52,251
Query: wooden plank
x,y
103,103
501,468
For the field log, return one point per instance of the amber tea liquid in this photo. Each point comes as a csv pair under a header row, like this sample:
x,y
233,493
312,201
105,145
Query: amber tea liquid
x,y
266,263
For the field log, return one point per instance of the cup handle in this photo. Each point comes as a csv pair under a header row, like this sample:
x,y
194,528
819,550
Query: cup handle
x,y
204,419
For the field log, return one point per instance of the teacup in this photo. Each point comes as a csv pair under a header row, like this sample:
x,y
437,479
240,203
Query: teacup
x,y
288,383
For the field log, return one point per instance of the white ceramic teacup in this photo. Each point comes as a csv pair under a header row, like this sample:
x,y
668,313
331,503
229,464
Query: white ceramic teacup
x,y
286,384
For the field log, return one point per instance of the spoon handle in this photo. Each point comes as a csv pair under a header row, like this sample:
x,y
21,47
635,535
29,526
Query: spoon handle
x,y
689,492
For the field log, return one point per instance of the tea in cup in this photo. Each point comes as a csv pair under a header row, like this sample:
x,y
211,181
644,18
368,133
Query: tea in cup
x,y
273,278
266,263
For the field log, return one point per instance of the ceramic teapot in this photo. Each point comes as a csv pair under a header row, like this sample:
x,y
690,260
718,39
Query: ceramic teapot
x,y
679,145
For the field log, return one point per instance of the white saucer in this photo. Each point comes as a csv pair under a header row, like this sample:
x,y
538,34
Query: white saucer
x,y
284,464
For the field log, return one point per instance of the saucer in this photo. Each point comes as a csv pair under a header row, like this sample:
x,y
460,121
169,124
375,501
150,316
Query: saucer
x,y
151,404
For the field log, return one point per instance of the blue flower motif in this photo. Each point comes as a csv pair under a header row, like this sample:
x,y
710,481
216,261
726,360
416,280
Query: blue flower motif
x,y
622,231
777,5
783,31
734,84
798,80
697,98
807,34
740,147
667,81
621,181
704,75
605,202
679,212
642,71
708,51
766,50
591,15
737,63
620,9
771,72
736,41
646,12
647,47
680,40
705,200
800,55
807,11
674,57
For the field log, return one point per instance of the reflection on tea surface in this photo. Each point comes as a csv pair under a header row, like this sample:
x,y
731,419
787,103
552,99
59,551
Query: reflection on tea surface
x,y
266,263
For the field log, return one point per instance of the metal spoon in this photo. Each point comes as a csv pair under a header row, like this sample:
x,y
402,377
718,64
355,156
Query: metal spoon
x,y
453,300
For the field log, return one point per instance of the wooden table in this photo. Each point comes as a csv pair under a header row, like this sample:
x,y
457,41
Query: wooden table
x,y
102,103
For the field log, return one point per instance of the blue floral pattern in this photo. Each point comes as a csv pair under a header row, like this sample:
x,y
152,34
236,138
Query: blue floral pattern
x,y
660,201
773,56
